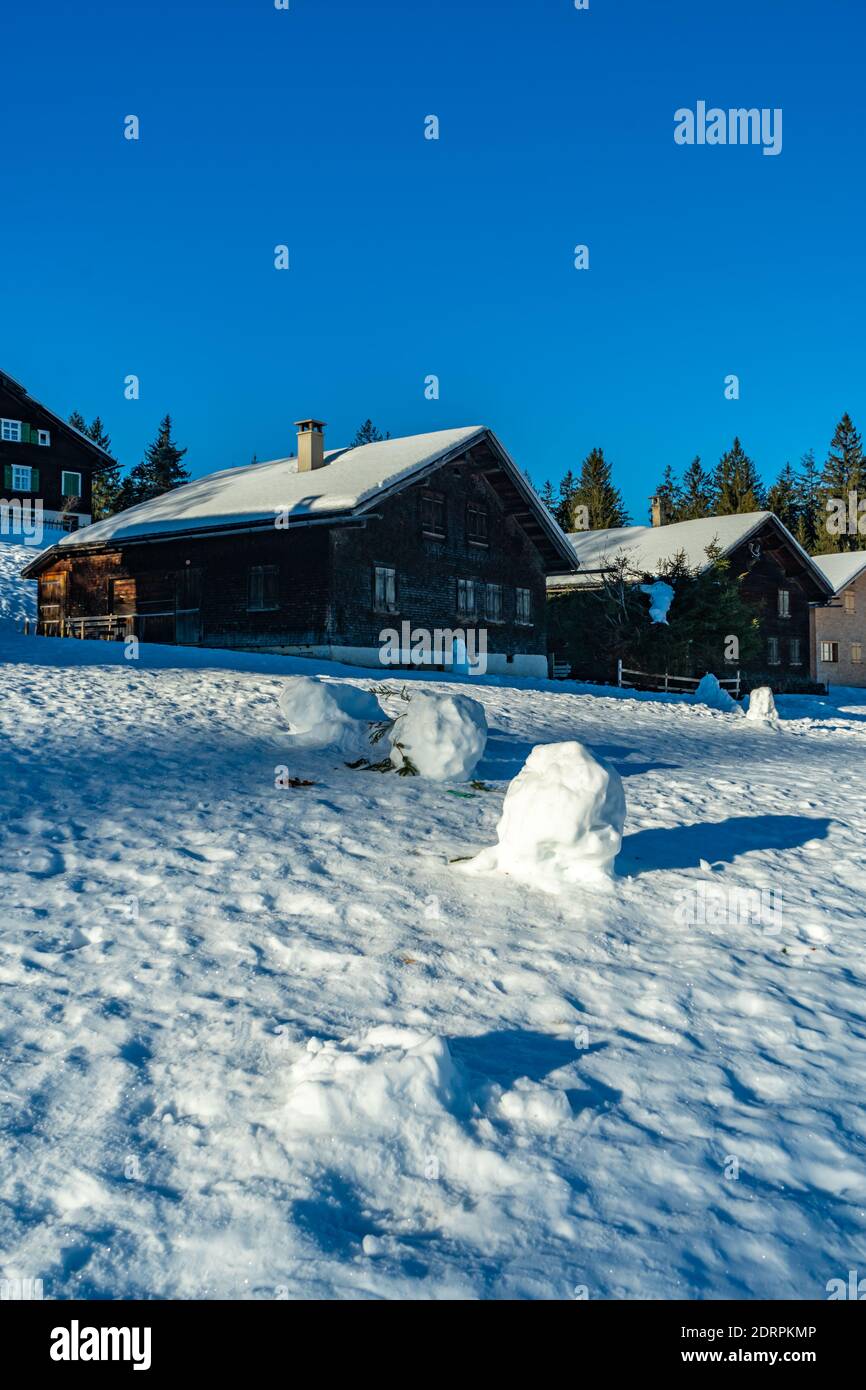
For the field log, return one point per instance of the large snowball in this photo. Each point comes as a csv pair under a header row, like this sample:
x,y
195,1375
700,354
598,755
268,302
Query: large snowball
x,y
561,823
324,714
762,707
442,736
709,692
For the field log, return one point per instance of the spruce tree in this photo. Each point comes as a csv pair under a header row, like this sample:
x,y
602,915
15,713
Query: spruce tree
x,y
107,486
809,504
698,494
159,471
368,434
783,499
843,473
737,485
596,492
564,509
547,496
669,494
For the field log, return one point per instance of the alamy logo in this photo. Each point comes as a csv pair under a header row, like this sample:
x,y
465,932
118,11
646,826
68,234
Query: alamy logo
x,y
737,126
22,519
76,1343
855,1289
463,649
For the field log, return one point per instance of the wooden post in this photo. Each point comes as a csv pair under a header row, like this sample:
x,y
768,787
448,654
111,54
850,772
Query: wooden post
x,y
619,672
666,682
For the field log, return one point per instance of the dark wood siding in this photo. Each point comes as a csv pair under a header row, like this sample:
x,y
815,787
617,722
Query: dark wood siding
x,y
428,566
64,453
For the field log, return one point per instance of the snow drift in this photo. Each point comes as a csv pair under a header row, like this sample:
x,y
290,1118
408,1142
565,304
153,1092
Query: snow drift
x,y
324,714
442,737
562,821
710,692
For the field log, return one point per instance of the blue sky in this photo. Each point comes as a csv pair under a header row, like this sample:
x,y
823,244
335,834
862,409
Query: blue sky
x,y
454,257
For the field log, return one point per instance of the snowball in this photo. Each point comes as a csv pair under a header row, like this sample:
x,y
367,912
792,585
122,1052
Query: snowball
x,y
442,736
561,823
323,714
661,596
762,707
709,692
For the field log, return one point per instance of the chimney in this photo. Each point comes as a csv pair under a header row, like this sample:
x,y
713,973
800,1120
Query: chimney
x,y
657,511
311,445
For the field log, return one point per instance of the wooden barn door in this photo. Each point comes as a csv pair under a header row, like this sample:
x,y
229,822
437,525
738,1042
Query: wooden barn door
x,y
187,618
52,604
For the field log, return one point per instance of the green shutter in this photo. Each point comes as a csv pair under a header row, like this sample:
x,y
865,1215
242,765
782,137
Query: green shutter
x,y
34,479
27,434
7,475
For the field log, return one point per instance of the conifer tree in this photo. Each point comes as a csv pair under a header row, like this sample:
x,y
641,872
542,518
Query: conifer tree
x,y
368,434
842,474
548,496
698,494
783,499
160,470
809,504
669,494
737,485
106,488
564,507
596,492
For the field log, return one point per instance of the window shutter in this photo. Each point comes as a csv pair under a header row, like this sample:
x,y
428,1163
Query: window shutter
x,y
27,434
7,475
34,479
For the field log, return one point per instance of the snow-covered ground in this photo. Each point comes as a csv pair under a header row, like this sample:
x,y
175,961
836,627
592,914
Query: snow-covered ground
x,y
262,1042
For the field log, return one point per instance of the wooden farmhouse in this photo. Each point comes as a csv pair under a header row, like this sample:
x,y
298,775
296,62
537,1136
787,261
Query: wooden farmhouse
x,y
776,577
317,554
45,462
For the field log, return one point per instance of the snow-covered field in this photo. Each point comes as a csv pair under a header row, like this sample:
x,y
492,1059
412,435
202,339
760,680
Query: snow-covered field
x,y
263,1042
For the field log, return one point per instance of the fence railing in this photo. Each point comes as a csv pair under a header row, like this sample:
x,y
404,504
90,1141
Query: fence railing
x,y
671,684
113,628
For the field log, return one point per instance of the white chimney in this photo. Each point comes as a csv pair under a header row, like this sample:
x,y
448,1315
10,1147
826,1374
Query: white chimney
x,y
311,444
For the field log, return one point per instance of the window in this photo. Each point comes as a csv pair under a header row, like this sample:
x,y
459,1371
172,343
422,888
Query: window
x,y
773,651
433,514
829,651
384,589
43,437
10,431
856,653
476,525
264,588
493,603
466,598
70,484
22,478
524,606
850,605
122,596
794,651
784,603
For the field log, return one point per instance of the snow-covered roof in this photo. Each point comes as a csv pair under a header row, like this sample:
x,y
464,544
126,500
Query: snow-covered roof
x,y
350,481
648,547
842,569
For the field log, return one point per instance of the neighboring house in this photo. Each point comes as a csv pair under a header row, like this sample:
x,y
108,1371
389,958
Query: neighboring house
x,y
839,627
45,460
775,574
320,553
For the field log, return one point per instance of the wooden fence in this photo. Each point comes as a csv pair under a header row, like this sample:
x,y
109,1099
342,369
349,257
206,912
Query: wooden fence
x,y
671,685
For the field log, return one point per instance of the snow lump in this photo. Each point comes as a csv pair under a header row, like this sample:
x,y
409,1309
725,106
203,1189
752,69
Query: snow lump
x,y
326,714
562,821
762,707
442,737
710,692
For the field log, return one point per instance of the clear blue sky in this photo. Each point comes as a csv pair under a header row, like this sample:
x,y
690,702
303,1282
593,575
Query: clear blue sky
x,y
409,256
